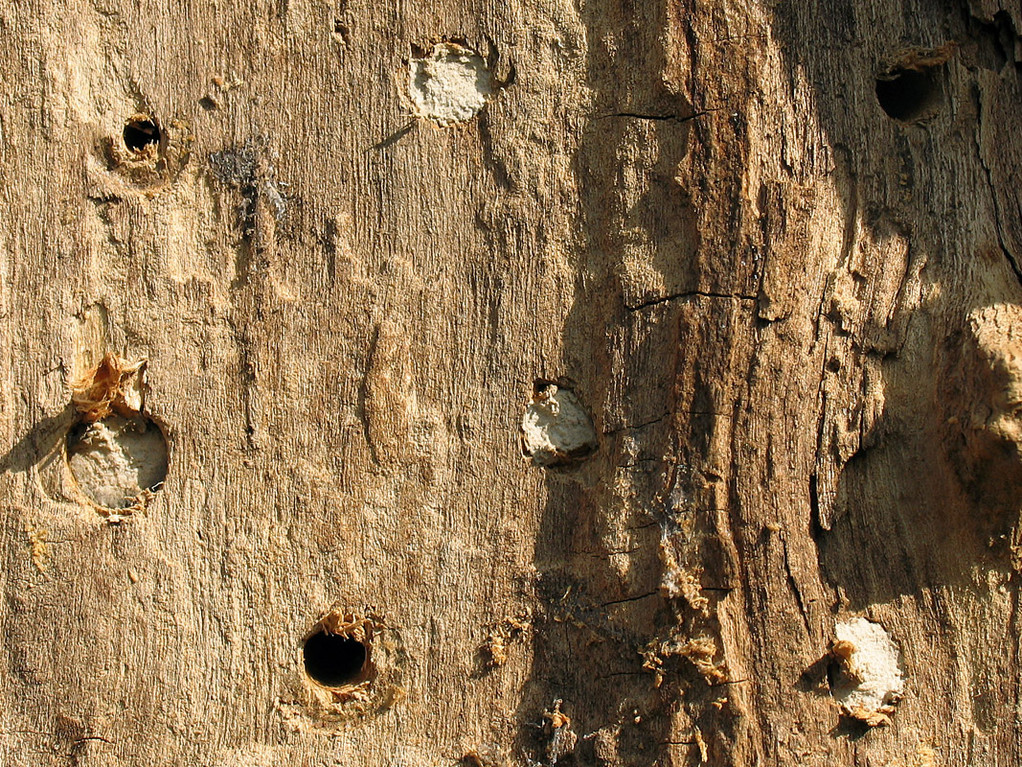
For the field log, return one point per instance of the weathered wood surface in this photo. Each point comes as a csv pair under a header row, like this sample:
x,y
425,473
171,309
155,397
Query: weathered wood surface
x,y
793,318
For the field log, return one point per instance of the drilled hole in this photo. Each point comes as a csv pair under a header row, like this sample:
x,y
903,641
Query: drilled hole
x,y
341,31
333,660
116,461
141,131
910,94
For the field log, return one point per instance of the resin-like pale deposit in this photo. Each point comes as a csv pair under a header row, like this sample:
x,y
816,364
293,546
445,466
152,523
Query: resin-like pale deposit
x,y
556,427
450,84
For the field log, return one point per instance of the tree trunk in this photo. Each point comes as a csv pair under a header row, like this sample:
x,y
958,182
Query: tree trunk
x,y
538,383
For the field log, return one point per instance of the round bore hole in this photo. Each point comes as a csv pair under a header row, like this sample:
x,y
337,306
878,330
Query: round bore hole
x,y
141,131
116,460
333,660
910,94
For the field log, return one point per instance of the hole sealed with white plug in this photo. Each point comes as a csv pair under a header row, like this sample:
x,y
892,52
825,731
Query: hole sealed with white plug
x,y
865,676
117,455
449,84
557,430
118,462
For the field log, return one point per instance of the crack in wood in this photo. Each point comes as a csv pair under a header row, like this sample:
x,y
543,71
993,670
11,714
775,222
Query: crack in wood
x,y
629,599
633,427
685,295
1012,261
796,591
658,118
363,398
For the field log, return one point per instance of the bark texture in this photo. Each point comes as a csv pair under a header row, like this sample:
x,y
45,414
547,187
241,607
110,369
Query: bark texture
x,y
773,251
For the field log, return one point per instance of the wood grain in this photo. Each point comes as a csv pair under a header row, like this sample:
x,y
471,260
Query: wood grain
x,y
697,217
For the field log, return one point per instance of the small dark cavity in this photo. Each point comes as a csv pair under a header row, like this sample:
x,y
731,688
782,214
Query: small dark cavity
x,y
341,31
140,132
910,94
333,660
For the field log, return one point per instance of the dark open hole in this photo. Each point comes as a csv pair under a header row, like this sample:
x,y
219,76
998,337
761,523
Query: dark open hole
x,y
334,660
140,132
909,94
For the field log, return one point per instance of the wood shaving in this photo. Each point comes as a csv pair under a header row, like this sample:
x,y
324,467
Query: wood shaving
x,y
114,385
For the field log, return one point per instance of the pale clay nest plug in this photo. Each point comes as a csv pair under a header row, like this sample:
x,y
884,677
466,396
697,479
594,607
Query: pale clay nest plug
x,y
872,681
556,428
450,84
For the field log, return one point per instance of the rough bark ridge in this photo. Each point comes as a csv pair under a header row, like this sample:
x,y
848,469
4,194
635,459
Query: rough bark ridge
x,y
774,250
